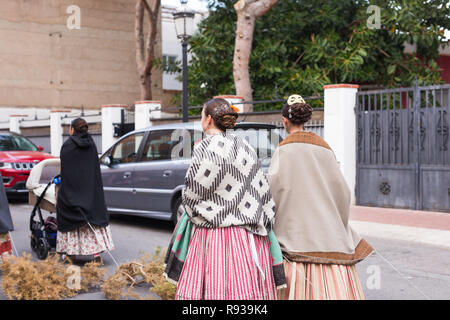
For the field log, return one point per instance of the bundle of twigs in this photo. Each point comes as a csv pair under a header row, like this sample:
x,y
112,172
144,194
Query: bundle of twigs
x,y
24,279
149,269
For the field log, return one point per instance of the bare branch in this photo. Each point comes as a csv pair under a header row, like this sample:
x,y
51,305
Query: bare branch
x,y
139,33
259,8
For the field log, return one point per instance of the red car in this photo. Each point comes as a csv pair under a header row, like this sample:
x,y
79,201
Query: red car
x,y
18,156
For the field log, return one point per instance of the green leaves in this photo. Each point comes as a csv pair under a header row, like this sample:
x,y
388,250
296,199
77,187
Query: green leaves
x,y
301,45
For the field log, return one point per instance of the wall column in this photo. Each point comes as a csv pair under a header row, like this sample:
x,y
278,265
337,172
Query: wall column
x,y
340,128
56,131
144,112
111,114
14,122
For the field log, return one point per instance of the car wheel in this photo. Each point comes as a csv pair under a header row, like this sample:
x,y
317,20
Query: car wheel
x,y
178,211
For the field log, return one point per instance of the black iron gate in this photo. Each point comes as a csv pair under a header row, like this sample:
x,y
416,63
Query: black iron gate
x,y
403,156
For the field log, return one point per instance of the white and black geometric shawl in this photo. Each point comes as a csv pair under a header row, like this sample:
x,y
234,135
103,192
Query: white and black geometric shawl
x,y
225,186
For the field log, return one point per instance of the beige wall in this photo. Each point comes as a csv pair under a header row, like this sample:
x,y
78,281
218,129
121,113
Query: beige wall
x,y
44,64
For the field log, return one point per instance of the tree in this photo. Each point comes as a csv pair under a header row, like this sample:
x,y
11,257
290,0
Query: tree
x,y
247,13
145,44
301,45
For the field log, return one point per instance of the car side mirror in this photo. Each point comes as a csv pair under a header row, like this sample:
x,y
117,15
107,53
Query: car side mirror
x,y
107,161
40,148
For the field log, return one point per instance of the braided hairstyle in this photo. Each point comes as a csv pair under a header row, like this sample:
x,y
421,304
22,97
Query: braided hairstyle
x,y
221,112
297,113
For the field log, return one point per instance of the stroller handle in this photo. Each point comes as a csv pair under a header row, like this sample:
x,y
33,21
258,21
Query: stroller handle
x,y
36,172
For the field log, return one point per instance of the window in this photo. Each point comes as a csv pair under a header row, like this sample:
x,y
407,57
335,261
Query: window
x,y
16,143
170,64
170,144
126,150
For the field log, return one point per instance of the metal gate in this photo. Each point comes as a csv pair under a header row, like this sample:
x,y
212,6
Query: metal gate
x,y
403,156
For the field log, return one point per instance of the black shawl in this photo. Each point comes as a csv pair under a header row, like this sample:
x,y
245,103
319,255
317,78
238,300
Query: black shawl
x,y
5,215
80,195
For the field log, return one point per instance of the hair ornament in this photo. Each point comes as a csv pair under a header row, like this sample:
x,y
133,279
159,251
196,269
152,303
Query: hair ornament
x,y
295,98
223,107
234,108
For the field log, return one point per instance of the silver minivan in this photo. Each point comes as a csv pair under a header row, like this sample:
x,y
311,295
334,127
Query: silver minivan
x,y
143,172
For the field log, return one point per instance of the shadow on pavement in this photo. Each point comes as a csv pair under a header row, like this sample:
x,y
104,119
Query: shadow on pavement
x,y
135,221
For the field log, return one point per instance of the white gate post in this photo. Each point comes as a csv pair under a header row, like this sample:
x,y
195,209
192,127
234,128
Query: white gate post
x,y
14,122
340,128
56,131
111,114
234,100
144,111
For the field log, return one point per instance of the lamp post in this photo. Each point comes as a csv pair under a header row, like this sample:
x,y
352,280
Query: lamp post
x,y
184,25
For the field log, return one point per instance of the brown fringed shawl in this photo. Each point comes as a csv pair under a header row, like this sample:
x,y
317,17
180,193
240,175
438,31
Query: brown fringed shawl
x,y
312,203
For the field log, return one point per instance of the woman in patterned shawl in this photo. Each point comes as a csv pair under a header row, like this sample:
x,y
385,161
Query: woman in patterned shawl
x,y
312,199
223,247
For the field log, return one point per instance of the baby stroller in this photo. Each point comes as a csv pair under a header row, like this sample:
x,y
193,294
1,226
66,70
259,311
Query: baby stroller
x,y
43,196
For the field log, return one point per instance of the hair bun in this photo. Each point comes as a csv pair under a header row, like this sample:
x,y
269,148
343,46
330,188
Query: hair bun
x,y
226,121
223,114
297,112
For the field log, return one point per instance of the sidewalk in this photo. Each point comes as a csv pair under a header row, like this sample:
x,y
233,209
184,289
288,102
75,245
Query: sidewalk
x,y
427,227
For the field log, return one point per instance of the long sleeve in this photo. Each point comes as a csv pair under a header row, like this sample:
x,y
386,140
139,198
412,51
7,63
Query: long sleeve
x,y
273,175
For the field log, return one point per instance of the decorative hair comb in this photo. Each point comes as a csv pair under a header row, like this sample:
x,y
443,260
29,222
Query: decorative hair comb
x,y
221,108
295,98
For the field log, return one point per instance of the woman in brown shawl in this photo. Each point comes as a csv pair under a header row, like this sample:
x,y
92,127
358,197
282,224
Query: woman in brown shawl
x,y
312,199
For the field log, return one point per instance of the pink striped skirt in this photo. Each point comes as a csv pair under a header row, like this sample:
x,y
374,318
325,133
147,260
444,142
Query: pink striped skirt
x,y
5,246
219,266
309,281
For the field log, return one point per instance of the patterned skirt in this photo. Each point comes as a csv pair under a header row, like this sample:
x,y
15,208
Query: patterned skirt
x,y
309,281
84,241
5,246
227,264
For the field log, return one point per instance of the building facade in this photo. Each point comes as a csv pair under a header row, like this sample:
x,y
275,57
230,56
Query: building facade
x,y
48,62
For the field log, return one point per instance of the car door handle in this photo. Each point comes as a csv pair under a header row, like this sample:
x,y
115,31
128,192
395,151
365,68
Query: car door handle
x,y
126,175
167,173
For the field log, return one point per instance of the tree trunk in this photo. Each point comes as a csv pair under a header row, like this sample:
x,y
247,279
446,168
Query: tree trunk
x,y
145,46
247,13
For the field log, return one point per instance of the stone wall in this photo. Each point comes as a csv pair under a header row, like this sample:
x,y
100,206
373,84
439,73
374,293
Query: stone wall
x,y
44,64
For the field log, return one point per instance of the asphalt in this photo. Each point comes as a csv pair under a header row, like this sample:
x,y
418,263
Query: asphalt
x,y
412,249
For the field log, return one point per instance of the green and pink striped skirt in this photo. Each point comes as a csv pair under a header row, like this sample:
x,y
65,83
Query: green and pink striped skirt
x,y
227,264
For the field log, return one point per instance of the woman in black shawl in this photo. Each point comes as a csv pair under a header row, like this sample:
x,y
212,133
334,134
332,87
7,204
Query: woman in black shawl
x,y
6,224
83,221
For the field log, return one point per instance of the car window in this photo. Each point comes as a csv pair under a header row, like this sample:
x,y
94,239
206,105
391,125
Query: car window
x,y
264,141
16,143
170,144
126,150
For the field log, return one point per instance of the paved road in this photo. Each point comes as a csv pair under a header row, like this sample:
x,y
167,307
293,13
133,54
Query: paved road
x,y
425,266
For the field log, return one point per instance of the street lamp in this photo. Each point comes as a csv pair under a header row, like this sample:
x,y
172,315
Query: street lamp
x,y
184,25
